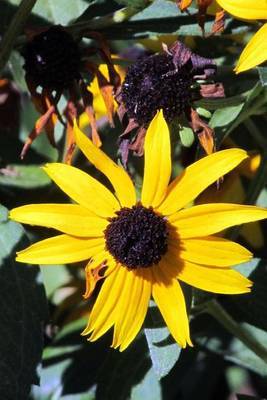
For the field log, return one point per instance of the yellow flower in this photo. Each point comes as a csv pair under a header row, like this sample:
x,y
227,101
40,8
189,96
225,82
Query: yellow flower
x,y
99,105
145,246
255,52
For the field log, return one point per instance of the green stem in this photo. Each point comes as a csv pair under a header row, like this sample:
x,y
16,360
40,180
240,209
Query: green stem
x,y
213,308
105,21
256,133
14,29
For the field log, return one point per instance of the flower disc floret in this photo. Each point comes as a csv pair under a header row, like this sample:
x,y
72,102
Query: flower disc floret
x,y
153,83
52,59
137,237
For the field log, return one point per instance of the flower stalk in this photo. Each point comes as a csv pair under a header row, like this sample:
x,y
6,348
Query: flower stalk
x,y
14,30
214,308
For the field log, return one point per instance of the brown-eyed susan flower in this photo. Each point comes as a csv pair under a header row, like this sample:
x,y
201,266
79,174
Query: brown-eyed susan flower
x,y
171,80
142,247
55,63
255,53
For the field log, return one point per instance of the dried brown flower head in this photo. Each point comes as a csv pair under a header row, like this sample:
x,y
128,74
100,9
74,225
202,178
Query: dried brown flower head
x,y
168,81
55,63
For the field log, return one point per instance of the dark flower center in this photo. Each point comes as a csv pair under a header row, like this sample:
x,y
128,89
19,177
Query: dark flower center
x,y
52,59
137,237
153,83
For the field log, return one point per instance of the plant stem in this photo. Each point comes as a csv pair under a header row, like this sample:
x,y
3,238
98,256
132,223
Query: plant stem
x,y
213,308
14,29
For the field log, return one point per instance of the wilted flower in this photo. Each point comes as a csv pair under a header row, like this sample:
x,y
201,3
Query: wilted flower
x,y
142,247
255,52
169,81
205,7
54,62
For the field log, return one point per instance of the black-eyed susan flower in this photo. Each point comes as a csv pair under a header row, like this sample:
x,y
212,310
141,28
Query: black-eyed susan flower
x,y
255,53
142,248
54,64
171,80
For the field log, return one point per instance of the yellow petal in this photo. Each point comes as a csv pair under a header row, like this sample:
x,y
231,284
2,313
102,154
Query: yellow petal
x,y
118,177
136,310
169,297
215,280
99,267
207,219
83,189
247,9
62,249
157,169
211,251
255,52
67,218
103,314
198,176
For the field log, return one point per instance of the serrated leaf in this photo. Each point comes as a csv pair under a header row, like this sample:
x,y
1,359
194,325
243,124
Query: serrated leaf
x,y
23,176
164,352
23,311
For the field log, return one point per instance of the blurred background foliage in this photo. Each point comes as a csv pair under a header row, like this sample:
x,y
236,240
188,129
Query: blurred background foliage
x,y
42,355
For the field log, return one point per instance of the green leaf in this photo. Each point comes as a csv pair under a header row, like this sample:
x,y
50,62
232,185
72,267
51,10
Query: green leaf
x,y
163,16
133,3
241,355
187,136
164,352
224,116
23,312
56,11
23,176
143,389
263,75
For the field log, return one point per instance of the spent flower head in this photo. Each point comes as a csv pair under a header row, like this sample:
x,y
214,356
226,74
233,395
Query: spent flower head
x,y
54,64
142,247
170,81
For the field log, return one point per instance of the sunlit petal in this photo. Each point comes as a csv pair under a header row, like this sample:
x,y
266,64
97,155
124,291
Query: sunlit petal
x,y
157,170
207,219
83,189
247,9
67,218
62,249
132,308
101,318
210,251
215,280
255,53
169,297
197,177
118,177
